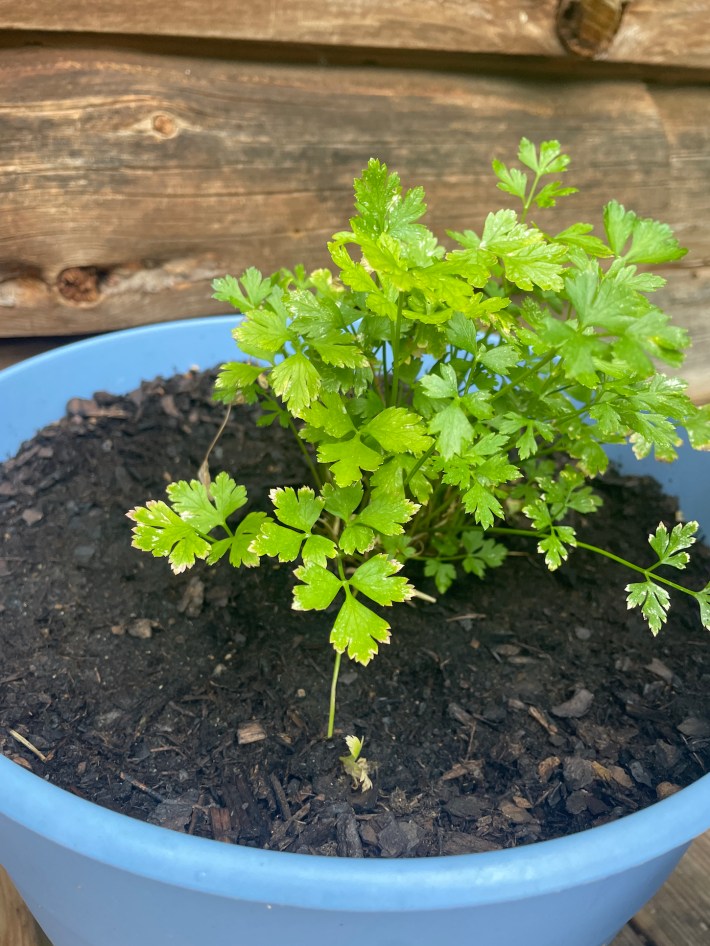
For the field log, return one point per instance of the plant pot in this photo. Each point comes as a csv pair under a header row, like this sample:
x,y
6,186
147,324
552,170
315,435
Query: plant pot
x,y
96,878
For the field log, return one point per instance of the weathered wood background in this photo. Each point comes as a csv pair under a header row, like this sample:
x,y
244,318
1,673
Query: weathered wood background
x,y
146,148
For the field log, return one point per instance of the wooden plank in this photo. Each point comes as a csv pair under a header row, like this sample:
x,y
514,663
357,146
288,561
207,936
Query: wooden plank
x,y
679,915
686,297
152,174
627,937
17,926
672,33
14,350
523,27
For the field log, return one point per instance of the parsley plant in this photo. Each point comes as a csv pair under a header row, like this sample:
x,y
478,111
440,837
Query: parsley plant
x,y
433,391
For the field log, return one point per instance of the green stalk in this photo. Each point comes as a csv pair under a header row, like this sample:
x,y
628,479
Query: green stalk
x,y
533,369
394,390
418,465
648,573
336,665
333,688
528,203
384,372
311,466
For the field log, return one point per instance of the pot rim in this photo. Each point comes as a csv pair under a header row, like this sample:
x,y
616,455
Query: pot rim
x,y
318,882
271,877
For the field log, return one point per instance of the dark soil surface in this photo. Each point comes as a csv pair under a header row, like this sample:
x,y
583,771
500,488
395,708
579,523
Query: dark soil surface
x,y
524,707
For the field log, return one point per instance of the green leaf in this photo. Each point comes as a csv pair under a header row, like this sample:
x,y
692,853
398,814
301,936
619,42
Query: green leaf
x,y
550,161
317,549
299,510
397,470
548,195
192,501
539,514
387,511
577,349
339,349
511,180
297,381
318,590
351,273
526,257
669,546
316,316
226,495
579,235
356,538
278,542
342,501
698,427
443,385
263,332
239,545
651,242
481,501
555,547
443,573
500,358
503,234
453,429
703,599
255,290
653,600
162,532
374,579
398,430
234,379
383,210
348,458
539,265
330,414
461,333
482,553
358,630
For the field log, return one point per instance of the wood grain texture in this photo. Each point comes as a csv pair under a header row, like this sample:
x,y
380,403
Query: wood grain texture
x,y
679,915
17,927
627,937
670,33
524,27
152,174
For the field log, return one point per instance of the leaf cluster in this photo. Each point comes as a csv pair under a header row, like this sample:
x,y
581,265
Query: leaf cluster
x,y
442,395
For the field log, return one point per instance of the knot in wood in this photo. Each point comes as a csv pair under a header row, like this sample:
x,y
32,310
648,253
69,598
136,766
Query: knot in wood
x,y
79,284
586,28
164,125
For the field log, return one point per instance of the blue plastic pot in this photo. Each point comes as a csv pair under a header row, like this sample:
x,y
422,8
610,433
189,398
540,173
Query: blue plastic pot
x,y
96,878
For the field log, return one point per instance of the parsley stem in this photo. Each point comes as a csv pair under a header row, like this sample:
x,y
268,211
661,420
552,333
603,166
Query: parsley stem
x,y
533,369
384,372
396,331
418,465
333,688
528,202
306,454
648,573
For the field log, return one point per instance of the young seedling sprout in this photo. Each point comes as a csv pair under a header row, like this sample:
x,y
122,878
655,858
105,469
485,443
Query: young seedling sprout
x,y
433,391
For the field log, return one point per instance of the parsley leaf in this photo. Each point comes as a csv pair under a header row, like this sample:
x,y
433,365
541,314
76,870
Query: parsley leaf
x,y
162,532
358,630
297,381
653,600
